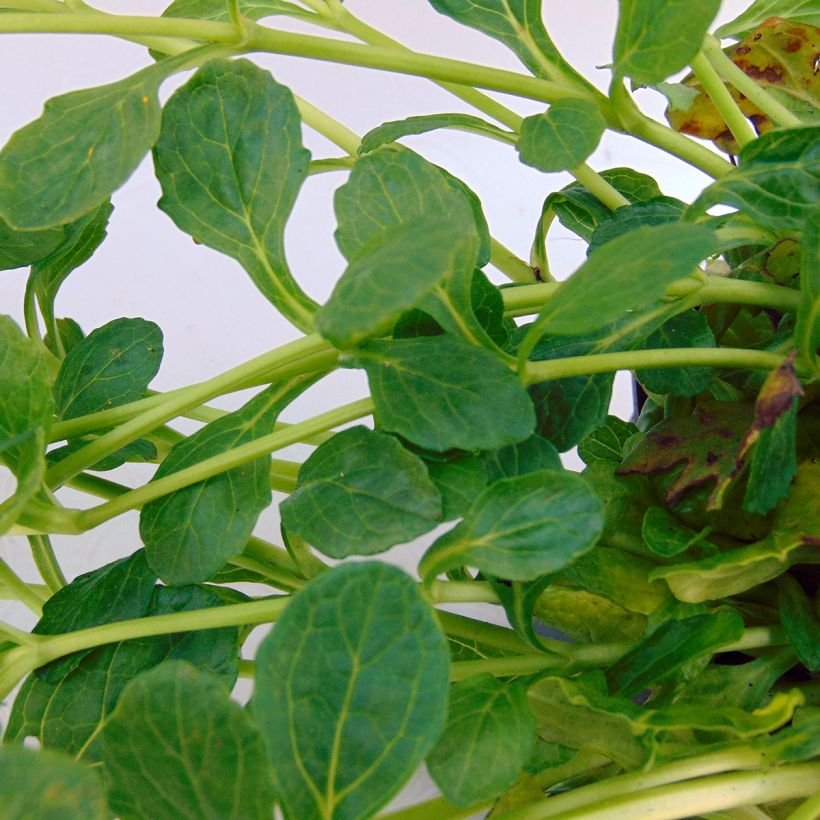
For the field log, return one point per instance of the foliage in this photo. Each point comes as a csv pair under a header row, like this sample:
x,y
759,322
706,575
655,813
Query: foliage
x,y
680,565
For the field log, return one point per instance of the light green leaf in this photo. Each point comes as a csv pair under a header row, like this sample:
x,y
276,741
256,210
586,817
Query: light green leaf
x,y
218,9
521,528
807,332
800,623
26,409
396,129
351,691
230,162
656,38
113,365
48,786
441,393
626,274
459,482
606,443
18,249
529,456
178,746
488,738
360,493
83,147
665,535
562,137
777,181
189,534
800,11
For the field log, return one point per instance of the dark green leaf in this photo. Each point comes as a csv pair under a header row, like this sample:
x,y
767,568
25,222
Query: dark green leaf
x,y
521,528
529,456
656,38
140,450
800,11
460,482
800,623
441,393
606,443
562,137
230,161
48,786
68,334
488,738
671,646
189,534
660,210
83,147
807,332
26,409
396,129
113,365
688,329
178,746
19,249
360,493
351,691
665,535
777,181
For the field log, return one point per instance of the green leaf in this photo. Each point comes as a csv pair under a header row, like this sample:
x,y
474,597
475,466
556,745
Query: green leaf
x,y
519,599
217,10
396,129
459,482
800,623
688,329
671,646
529,456
521,528
360,493
441,393
70,714
656,38
141,450
607,442
807,331
83,147
799,11
230,162
43,785
117,591
626,274
26,409
113,365
665,535
777,181
488,738
19,249
66,335
178,746
562,137
189,534
351,691
660,210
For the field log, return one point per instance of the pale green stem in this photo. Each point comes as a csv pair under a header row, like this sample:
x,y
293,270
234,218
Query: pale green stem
x,y
755,93
740,127
599,187
41,6
439,808
20,589
46,562
328,127
505,261
461,592
278,578
18,636
485,633
330,164
810,810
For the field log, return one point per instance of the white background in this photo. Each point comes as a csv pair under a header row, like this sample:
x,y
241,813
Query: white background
x,y
211,314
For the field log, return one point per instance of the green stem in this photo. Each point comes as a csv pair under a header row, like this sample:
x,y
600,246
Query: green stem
x,y
439,808
755,93
485,633
328,127
15,635
461,592
508,667
810,810
87,519
46,562
505,261
640,359
300,553
278,578
740,127
268,553
599,187
20,589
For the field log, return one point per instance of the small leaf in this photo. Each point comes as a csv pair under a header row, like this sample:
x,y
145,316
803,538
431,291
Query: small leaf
x,y
807,331
660,210
800,623
441,393
43,785
665,535
178,746
396,129
606,443
563,137
459,482
189,534
83,147
656,38
529,456
797,11
230,162
66,336
350,713
19,249
113,365
488,738
218,9
521,528
360,493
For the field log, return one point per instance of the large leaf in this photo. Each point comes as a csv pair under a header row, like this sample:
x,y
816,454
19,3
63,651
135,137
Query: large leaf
x,y
562,137
441,393
113,365
360,493
230,161
798,11
26,409
459,482
351,691
656,38
178,746
48,786
807,332
521,528
488,738
189,534
800,623
777,181
83,147
18,249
